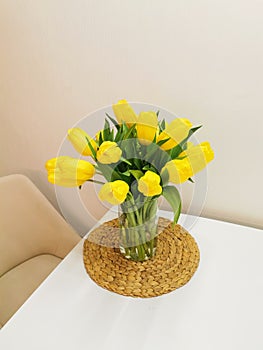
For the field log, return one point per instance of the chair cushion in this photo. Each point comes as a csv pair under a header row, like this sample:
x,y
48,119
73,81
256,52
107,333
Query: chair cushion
x,y
20,282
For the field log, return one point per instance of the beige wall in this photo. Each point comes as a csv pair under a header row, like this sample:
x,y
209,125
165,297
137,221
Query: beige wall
x,y
60,60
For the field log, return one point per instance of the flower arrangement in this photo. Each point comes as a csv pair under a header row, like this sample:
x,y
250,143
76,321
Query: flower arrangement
x,y
139,156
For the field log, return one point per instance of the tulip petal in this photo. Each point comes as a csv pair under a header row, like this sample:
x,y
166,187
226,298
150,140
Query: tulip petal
x,y
199,156
146,127
69,172
114,192
124,113
194,159
78,138
109,153
149,184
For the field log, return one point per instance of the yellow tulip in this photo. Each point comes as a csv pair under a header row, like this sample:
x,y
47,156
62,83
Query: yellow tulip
x,y
78,138
114,192
124,113
149,184
177,131
196,159
146,127
199,156
69,172
179,170
109,152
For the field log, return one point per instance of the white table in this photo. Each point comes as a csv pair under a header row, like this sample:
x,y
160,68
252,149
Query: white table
x,y
221,308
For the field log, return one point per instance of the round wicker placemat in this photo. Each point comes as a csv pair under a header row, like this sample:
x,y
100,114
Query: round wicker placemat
x,y
176,260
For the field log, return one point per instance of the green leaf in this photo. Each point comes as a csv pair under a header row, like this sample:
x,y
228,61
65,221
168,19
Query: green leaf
x,y
157,113
137,162
161,142
125,161
137,174
92,149
127,148
126,173
151,150
125,127
181,158
184,146
112,135
117,176
114,122
107,131
147,167
162,124
193,130
106,125
172,195
100,138
174,152
165,177
118,135
109,173
159,159
130,131
106,170
122,132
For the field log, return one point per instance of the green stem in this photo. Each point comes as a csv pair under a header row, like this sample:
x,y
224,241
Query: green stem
x,y
97,182
138,236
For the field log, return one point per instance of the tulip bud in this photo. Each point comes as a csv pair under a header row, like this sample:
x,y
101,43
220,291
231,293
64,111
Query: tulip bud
x,y
124,113
146,127
195,159
114,192
78,138
109,153
199,156
179,170
69,172
149,184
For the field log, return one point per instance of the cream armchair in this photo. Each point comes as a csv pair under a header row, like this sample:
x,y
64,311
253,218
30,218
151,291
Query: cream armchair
x,y
34,238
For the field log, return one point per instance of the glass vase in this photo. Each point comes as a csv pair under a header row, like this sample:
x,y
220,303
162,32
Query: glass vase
x,y
138,224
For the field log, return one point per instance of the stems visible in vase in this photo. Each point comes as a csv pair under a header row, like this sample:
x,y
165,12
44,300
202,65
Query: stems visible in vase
x,y
138,229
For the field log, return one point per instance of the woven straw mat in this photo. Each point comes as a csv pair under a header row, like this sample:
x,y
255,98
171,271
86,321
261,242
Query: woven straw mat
x,y
175,261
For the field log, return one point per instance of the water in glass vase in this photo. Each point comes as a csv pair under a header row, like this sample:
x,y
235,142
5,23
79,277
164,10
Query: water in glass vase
x,y
138,223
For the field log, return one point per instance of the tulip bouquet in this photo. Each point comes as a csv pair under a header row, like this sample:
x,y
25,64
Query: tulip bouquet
x,y
139,156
